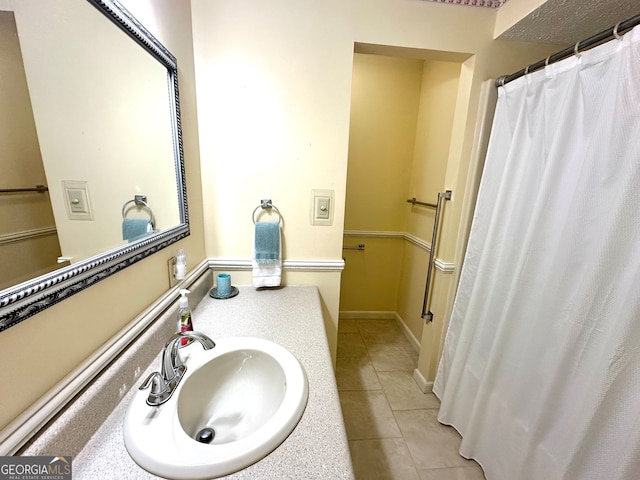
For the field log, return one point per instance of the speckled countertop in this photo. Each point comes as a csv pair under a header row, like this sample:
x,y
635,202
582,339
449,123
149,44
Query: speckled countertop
x,y
292,317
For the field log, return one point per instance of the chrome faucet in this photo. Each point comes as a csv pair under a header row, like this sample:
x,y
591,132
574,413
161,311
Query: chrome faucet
x,y
164,383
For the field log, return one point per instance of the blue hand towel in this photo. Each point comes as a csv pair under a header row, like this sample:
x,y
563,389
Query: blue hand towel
x,y
134,229
267,242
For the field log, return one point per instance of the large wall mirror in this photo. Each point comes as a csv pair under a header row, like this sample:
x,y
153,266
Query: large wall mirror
x,y
92,165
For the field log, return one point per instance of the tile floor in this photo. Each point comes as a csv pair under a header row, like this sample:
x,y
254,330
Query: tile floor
x,y
391,425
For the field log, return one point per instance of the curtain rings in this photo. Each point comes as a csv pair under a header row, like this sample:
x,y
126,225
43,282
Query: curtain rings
x,y
546,61
615,32
576,49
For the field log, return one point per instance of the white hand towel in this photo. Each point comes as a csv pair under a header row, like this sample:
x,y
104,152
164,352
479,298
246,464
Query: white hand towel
x,y
267,270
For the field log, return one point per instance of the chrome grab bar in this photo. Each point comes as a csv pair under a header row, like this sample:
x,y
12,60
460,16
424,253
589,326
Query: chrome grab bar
x,y
413,201
426,312
37,188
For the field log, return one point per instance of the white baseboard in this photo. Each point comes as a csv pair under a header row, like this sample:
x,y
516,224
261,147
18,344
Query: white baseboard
x,y
408,333
381,315
373,315
422,382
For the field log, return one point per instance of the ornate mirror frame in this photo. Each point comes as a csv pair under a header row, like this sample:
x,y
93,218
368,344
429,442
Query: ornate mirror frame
x,y
29,298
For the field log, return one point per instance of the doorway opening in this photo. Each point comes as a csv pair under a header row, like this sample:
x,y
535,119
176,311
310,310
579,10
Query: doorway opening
x,y
403,103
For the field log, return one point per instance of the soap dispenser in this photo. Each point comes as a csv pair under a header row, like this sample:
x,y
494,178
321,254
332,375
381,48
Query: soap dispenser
x,y
184,316
180,268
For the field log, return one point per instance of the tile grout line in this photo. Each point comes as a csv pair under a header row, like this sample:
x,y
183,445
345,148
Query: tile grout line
x,y
404,440
395,412
384,393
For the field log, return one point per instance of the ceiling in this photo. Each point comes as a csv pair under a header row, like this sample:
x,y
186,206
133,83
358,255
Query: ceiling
x,y
569,21
563,21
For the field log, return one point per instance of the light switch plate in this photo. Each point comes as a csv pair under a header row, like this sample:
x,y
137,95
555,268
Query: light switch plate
x,y
76,200
322,208
322,205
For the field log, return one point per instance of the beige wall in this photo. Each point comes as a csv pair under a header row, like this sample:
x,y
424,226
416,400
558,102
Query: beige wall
x,y
371,278
22,215
30,256
41,350
431,151
385,100
274,87
385,96
401,119
274,84
439,95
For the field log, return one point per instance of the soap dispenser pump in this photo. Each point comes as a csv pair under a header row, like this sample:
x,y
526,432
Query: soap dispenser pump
x,y
184,316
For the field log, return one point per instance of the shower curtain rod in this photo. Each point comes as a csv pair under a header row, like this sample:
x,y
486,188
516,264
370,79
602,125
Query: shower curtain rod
x,y
615,31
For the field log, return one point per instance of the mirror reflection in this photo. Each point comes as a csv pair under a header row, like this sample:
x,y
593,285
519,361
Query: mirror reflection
x,y
28,239
84,111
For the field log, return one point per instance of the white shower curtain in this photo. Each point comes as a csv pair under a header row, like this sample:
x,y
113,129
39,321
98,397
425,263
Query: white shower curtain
x,y
540,371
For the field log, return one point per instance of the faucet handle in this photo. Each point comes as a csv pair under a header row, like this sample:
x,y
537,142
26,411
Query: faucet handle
x,y
156,382
160,389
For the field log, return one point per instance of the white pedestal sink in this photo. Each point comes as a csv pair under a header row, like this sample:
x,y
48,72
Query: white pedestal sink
x,y
250,392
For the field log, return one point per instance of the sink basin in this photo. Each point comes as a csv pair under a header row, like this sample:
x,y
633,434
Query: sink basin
x,y
249,393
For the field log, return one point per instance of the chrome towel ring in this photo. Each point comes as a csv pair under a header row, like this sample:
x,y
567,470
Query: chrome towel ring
x,y
266,204
141,201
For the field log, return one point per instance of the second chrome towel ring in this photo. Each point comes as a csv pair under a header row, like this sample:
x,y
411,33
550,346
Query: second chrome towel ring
x,y
266,204
141,201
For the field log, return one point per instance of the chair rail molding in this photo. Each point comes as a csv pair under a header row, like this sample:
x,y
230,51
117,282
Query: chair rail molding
x,y
441,265
238,264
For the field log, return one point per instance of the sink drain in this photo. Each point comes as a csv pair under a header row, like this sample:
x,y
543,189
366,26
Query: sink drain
x,y
206,435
